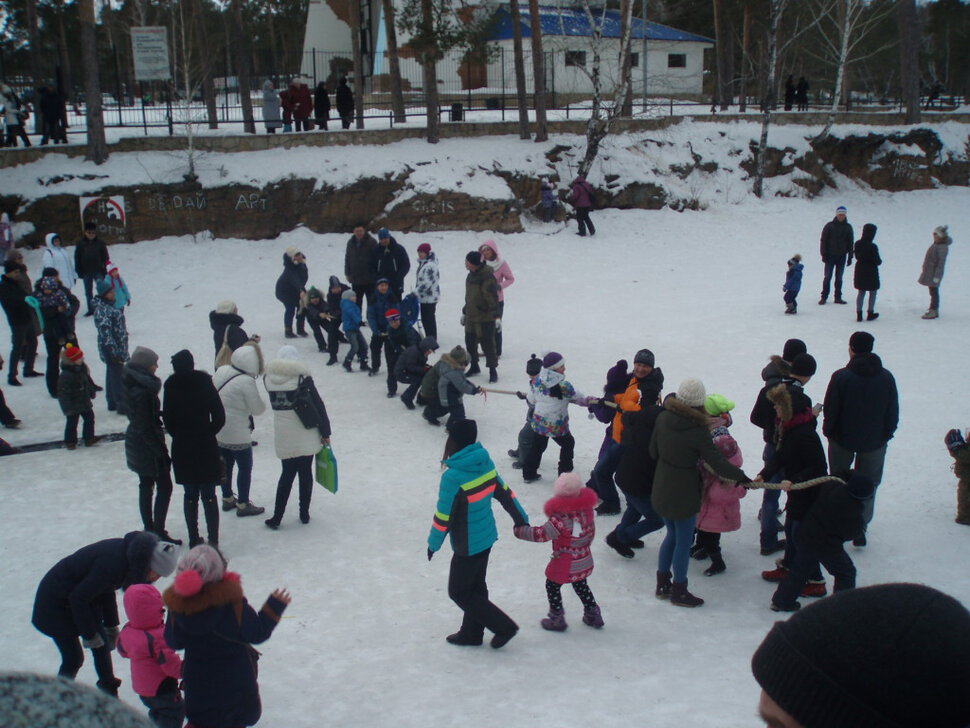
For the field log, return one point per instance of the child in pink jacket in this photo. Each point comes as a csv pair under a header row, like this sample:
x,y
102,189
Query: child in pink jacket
x,y
721,502
155,667
503,276
570,528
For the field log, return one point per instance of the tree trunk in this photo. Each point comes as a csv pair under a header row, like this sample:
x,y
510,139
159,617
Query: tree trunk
x,y
33,51
775,11
845,27
63,54
745,58
625,96
273,49
518,59
240,48
538,72
722,84
394,63
205,55
358,63
97,145
428,62
908,23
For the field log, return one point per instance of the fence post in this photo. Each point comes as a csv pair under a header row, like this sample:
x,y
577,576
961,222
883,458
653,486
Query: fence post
x,y
503,86
314,67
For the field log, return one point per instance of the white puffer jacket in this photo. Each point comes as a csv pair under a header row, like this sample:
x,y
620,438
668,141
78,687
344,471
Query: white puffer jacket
x,y
236,383
56,256
291,438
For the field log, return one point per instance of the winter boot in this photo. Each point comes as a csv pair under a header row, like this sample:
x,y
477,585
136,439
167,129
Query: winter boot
x,y
592,617
556,621
363,365
211,510
814,589
931,314
248,509
331,361
348,366
492,375
698,552
680,597
373,372
663,584
858,315
229,502
288,332
464,640
165,536
776,574
191,508
301,328
790,308
473,370
717,565
839,299
500,639
431,420
109,686
872,316
622,549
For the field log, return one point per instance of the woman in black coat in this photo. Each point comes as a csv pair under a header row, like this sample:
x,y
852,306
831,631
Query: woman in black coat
x,y
321,105
226,324
145,450
867,262
289,287
193,414
75,603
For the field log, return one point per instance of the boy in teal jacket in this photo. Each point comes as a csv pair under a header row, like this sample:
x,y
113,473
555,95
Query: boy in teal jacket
x,y
465,511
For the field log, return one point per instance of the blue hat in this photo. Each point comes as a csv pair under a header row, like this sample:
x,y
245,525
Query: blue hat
x,y
383,233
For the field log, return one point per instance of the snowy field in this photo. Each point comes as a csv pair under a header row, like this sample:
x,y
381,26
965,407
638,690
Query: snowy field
x,y
363,642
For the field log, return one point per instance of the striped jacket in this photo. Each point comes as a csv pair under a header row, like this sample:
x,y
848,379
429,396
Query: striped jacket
x,y
465,503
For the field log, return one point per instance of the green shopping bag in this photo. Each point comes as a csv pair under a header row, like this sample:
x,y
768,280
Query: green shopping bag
x,y
326,472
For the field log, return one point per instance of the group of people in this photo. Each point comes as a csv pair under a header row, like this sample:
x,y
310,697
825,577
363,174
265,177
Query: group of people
x,y
837,250
296,108
51,109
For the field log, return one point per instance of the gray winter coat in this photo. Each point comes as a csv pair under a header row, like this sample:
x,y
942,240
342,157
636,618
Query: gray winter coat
x,y
271,106
935,262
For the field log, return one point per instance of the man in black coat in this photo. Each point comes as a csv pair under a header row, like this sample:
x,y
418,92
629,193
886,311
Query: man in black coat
x,y
412,365
861,416
836,250
358,268
21,317
193,414
75,603
289,287
390,261
90,261
834,518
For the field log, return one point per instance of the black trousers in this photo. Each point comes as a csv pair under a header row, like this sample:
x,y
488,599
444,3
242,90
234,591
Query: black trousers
x,y
583,221
835,560
567,444
87,429
414,384
301,468
23,348
72,657
467,589
153,516
428,320
316,325
484,334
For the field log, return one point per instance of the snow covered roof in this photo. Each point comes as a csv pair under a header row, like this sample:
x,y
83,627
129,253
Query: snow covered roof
x,y
565,21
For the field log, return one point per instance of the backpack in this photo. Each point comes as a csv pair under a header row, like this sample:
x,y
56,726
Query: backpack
x,y
410,309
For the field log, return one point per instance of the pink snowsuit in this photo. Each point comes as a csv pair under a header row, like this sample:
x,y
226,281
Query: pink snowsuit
x,y
143,641
571,558
721,503
500,268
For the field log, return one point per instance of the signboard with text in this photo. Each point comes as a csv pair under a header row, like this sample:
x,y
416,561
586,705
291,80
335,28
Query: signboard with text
x,y
149,46
109,214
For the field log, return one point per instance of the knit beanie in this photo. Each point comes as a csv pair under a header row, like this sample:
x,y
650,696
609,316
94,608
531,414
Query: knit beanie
x,y
200,566
885,655
475,258
103,285
182,361
860,486
717,404
942,231
533,366
804,365
288,352
691,392
143,358
459,355
164,558
382,280
428,343
567,485
841,209
393,314
463,433
383,234
73,354
793,347
618,377
90,226
424,248
861,342
553,360
348,295
645,357
226,307
314,292
43,701
50,273
292,252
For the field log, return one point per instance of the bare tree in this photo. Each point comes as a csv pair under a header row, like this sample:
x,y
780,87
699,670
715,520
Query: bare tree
x,y
240,47
518,60
206,53
745,56
908,22
358,62
63,53
34,44
538,72
97,145
394,63
722,84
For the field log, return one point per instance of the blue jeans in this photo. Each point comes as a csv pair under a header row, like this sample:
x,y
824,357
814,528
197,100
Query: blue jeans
x,y
637,520
244,459
675,550
769,505
603,474
839,268
114,391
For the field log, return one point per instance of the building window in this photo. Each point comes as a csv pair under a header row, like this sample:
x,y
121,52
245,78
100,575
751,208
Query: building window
x,y
575,58
634,60
676,60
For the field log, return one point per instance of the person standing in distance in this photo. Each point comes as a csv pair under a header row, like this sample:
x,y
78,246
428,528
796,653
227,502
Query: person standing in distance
x,y
836,249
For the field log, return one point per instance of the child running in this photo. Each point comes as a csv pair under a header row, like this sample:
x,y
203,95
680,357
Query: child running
x,y
793,283
571,529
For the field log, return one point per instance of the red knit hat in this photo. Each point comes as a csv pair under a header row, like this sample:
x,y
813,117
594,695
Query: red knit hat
x,y
73,354
392,314
424,248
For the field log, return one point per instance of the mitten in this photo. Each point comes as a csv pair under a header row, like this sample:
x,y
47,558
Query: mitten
x,y
556,392
936,281
521,531
954,440
93,643
462,319
520,395
498,326
112,636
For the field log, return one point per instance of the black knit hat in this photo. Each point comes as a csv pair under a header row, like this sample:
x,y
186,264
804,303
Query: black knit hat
x,y
861,342
804,365
644,356
877,657
533,366
463,433
793,347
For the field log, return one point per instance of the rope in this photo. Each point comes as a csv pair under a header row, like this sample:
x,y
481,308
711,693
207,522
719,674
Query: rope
x,y
795,486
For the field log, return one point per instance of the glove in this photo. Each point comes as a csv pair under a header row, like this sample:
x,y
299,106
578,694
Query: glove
x,y
556,392
478,390
936,281
498,326
520,395
430,554
520,531
744,481
112,634
954,440
93,643
462,320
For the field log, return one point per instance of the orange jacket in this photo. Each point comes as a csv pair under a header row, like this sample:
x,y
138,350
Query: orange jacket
x,y
628,401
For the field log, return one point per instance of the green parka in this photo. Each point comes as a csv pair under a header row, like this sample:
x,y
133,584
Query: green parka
x,y
481,297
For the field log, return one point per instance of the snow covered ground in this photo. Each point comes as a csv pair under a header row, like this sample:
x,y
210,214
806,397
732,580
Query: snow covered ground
x,y
363,642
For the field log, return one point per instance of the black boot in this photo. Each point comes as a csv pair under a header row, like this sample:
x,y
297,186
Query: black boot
x,y
288,333
872,316
191,509
663,584
211,510
492,375
858,315
680,597
473,370
109,686
717,564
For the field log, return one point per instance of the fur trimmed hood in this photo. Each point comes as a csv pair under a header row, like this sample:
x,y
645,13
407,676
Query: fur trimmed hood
x,y
214,594
696,416
249,359
585,500
281,371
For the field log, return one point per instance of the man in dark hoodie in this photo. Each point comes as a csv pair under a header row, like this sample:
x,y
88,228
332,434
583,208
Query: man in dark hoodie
x,y
390,261
836,249
861,416
763,417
